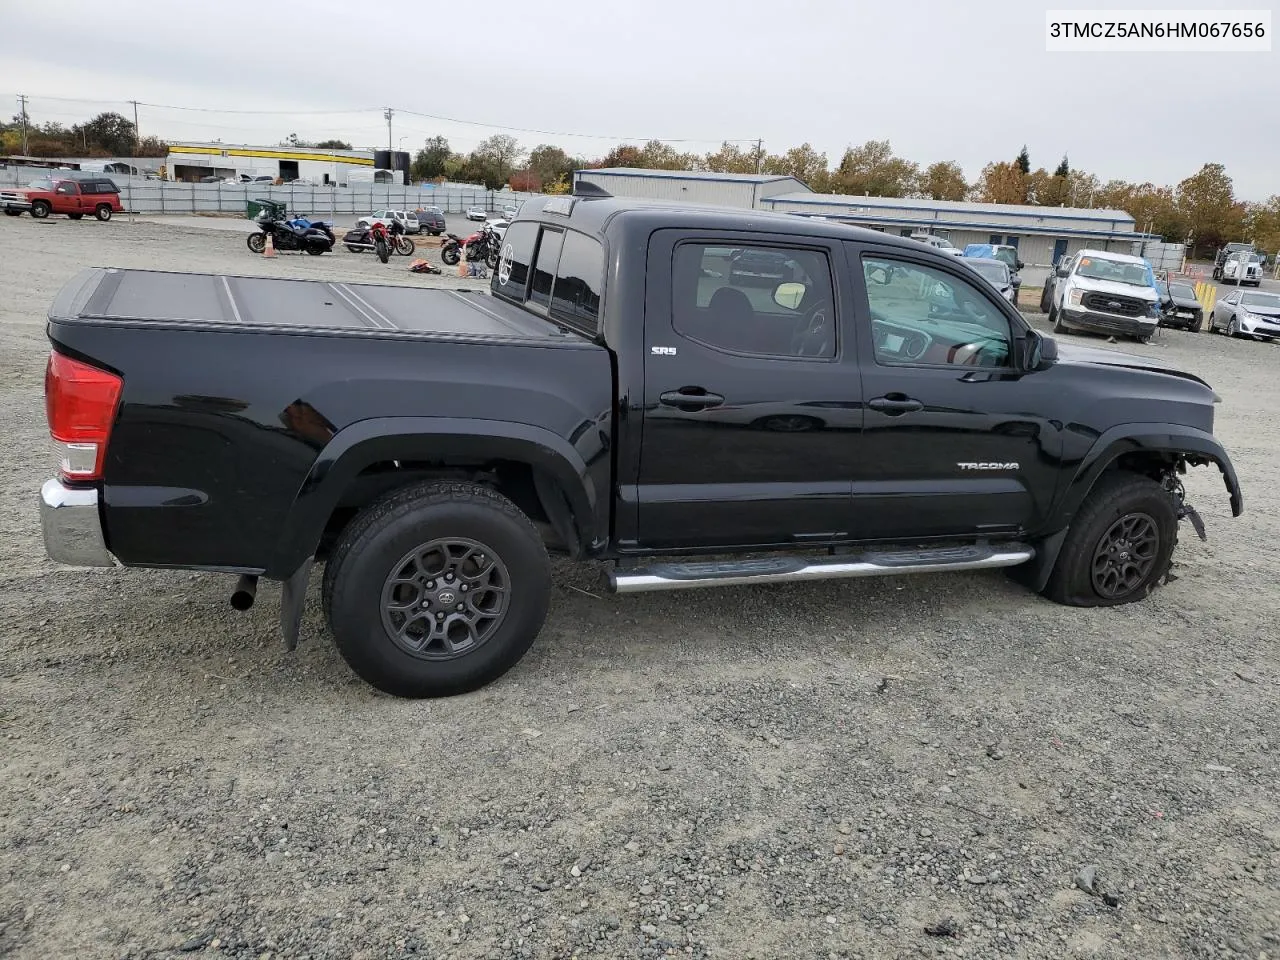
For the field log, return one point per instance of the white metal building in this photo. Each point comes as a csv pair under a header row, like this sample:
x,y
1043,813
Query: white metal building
x,y
1041,234
193,161
747,190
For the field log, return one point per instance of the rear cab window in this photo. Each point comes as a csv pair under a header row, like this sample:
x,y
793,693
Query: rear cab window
x,y
553,271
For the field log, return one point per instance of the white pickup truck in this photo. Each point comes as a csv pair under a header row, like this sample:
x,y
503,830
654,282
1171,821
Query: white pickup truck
x,y
1243,268
1105,292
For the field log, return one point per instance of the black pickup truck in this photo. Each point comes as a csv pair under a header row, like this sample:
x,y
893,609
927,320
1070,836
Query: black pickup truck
x,y
697,396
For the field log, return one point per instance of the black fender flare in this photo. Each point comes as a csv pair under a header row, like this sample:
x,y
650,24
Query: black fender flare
x,y
1191,443
459,440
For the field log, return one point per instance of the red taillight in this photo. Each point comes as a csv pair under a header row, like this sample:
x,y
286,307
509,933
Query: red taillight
x,y
80,403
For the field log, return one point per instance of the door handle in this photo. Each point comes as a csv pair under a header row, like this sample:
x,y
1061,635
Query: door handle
x,y
895,405
690,398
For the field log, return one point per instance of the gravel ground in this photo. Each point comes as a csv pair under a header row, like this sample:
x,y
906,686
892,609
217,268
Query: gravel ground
x,y
823,770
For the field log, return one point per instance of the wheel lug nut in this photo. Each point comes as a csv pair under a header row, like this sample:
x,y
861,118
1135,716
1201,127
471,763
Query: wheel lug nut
x,y
431,584
439,616
464,588
459,606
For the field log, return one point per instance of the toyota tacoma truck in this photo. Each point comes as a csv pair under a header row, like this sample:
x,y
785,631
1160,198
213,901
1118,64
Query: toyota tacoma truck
x,y
622,394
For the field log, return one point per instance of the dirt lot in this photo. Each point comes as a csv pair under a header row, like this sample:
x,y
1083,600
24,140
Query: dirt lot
x,y
807,771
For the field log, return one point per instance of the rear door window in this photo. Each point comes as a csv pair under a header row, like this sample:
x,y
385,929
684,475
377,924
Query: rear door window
x,y
511,279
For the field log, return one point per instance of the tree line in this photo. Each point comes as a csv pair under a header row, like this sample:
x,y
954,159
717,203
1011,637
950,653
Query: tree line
x,y
1202,207
106,135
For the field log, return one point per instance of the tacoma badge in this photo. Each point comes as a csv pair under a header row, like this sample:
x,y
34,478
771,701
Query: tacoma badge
x,y
988,466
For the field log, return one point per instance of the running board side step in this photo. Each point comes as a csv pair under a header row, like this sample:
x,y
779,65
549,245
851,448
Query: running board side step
x,y
870,563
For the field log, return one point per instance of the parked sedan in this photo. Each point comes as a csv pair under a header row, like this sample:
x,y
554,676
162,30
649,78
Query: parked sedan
x,y
1179,306
1251,314
477,213
995,272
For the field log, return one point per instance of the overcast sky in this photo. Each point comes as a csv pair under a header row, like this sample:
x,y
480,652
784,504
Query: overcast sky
x,y
964,80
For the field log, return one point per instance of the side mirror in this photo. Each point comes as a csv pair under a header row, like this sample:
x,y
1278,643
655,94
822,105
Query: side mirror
x,y
1037,350
1062,271
1018,264
789,295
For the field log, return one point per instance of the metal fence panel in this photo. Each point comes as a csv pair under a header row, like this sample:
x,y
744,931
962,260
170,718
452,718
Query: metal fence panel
x,y
157,196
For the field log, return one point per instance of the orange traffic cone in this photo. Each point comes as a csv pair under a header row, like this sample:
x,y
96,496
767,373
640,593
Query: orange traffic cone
x,y
270,249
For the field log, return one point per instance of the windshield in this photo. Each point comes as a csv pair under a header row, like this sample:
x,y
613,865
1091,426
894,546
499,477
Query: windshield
x,y
42,184
1094,268
1184,291
997,273
1261,300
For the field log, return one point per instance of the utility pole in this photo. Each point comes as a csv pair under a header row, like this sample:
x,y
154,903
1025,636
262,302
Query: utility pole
x,y
22,103
388,113
759,155
137,138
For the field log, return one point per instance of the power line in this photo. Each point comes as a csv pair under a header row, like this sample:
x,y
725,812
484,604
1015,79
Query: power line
x,y
413,113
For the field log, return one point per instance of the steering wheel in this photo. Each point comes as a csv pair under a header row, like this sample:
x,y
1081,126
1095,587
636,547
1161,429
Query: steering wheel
x,y
815,336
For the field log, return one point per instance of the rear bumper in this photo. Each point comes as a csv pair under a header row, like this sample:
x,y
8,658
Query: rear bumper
x,y
1110,323
72,526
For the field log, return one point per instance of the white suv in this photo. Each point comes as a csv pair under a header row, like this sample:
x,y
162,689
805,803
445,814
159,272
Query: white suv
x,y
406,220
1106,292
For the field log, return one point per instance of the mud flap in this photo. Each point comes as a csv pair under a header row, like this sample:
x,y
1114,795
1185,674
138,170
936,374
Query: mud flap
x,y
1188,512
293,596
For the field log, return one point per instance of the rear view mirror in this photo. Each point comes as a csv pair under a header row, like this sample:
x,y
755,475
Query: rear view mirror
x,y
789,295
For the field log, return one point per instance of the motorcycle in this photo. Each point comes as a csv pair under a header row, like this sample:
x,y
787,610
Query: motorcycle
x,y
324,226
378,235
484,244
285,236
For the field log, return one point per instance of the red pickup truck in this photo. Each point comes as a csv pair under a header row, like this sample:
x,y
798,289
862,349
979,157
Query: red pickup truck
x,y
75,198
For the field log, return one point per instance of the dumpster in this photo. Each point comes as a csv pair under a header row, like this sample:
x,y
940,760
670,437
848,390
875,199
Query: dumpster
x,y
269,209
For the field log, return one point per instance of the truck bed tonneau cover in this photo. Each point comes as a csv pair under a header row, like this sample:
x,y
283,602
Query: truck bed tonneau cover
x,y
316,306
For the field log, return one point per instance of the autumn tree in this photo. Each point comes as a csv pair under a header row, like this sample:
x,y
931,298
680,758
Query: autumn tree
x,y
550,162
1000,182
430,162
730,158
944,180
623,155
1262,225
1207,202
804,163
873,170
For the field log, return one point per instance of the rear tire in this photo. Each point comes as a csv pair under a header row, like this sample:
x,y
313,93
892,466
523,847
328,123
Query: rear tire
x,y
405,246
103,212
380,570
450,255
40,209
316,251
1119,546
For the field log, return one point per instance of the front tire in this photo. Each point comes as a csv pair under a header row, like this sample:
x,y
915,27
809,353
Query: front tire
x,y
256,242
382,250
437,589
1119,546
1197,325
40,209
1233,329
1055,318
103,212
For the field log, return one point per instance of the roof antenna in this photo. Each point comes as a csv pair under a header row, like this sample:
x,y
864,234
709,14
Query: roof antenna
x,y
584,188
